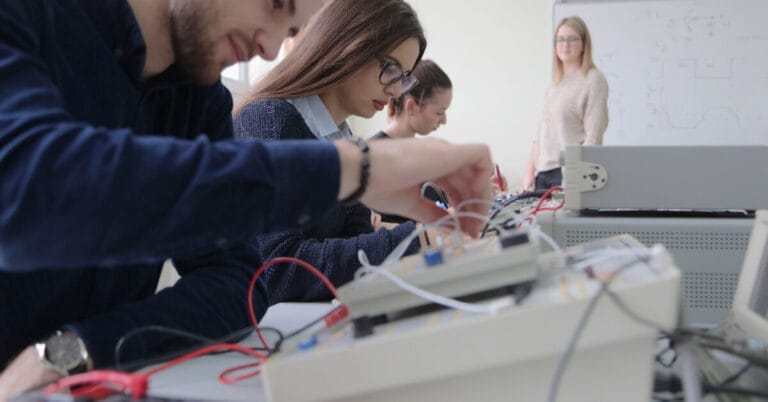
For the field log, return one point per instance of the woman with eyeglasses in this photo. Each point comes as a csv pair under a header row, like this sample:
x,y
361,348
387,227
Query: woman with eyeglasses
x,y
419,111
575,105
353,57
424,108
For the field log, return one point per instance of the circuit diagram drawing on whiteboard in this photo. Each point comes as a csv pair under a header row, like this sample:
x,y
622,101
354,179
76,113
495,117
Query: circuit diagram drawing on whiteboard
x,y
681,72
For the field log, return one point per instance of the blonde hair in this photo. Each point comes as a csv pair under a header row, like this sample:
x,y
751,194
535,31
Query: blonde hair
x,y
578,25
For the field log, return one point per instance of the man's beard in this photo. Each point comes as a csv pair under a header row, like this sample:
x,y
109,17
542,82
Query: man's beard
x,y
193,49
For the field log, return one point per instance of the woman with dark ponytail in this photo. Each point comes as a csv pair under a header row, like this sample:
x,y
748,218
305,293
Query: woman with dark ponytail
x,y
423,109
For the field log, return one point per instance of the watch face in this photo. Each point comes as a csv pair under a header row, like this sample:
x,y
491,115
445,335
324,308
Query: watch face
x,y
64,351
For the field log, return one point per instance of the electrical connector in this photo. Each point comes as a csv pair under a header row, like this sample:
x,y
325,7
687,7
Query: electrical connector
x,y
135,384
513,239
362,327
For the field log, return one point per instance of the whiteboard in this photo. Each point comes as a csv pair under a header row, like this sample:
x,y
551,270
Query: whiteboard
x,y
681,72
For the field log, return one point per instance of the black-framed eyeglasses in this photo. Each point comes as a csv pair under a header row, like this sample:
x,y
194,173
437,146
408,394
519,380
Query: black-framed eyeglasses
x,y
392,71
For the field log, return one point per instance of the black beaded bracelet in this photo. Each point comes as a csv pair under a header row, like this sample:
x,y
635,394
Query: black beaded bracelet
x,y
365,165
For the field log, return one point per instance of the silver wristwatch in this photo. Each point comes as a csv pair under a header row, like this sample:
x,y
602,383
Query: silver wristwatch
x,y
64,352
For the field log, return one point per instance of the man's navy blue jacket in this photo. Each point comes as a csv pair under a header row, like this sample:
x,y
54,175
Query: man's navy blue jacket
x,y
104,175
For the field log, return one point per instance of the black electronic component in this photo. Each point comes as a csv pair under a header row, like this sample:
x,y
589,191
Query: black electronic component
x,y
514,239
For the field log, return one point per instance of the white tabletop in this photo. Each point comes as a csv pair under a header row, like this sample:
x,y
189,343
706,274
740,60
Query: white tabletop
x,y
198,378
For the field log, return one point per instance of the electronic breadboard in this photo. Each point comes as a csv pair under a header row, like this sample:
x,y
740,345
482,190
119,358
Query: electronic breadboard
x,y
473,267
511,355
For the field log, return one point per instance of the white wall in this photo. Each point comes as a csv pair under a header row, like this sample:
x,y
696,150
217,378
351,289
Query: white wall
x,y
497,53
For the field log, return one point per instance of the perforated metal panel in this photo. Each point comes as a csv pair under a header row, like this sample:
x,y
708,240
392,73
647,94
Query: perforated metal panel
x,y
709,290
671,240
709,252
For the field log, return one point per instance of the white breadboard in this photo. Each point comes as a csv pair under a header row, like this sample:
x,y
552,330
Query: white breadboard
x,y
476,266
508,356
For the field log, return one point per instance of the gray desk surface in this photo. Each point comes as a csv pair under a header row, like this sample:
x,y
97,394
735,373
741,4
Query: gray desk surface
x,y
198,378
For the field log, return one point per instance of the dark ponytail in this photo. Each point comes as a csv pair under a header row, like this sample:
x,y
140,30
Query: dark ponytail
x,y
431,78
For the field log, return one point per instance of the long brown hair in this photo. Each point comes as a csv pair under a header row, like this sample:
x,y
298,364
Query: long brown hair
x,y
337,43
578,25
431,78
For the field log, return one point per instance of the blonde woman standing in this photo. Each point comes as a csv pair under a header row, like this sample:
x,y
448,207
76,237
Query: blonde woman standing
x,y
575,105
